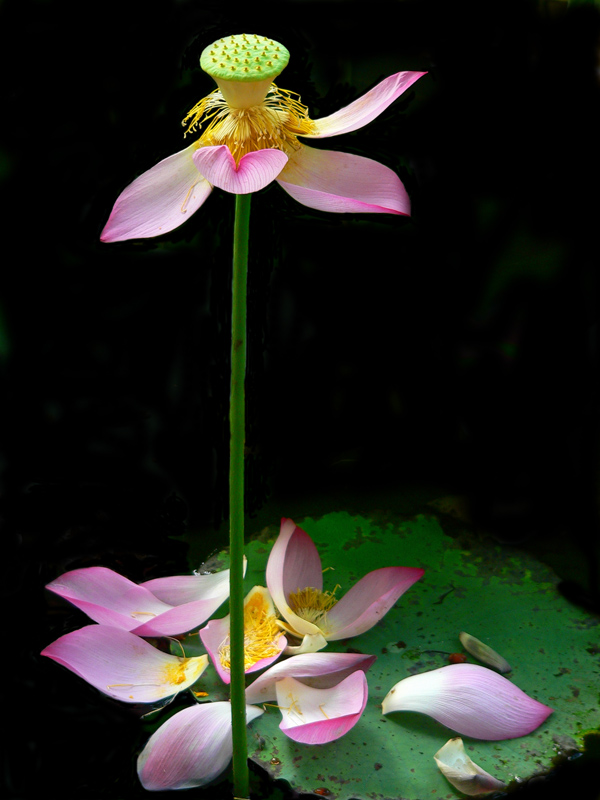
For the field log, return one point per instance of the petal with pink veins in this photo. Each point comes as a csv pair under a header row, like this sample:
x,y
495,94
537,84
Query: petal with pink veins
x,y
469,699
159,200
366,108
190,749
341,182
317,716
254,171
122,665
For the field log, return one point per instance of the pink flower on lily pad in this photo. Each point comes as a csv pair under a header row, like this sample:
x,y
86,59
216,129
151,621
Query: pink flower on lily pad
x,y
123,666
295,581
160,607
469,699
263,639
250,138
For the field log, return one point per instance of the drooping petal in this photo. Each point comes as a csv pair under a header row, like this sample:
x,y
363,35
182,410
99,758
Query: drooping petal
x,y
366,108
316,716
469,699
191,749
319,670
462,773
159,200
255,170
369,600
124,666
294,563
341,182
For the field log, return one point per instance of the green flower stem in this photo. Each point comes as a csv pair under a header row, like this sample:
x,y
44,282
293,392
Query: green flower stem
x,y
236,495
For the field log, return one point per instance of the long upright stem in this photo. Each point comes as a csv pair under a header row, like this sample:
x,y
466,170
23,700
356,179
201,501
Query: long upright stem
x,y
236,495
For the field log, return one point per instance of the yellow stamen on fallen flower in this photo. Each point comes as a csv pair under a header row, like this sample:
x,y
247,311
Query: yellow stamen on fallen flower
x,y
276,122
313,604
184,670
261,633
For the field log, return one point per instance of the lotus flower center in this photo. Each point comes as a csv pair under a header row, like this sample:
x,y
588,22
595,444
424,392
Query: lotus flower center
x,y
312,605
261,634
247,58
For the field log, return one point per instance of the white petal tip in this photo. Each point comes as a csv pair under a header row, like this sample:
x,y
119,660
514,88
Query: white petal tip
x,y
462,772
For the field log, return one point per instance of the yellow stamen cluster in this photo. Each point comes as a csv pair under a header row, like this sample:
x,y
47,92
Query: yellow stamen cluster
x,y
312,605
261,634
274,123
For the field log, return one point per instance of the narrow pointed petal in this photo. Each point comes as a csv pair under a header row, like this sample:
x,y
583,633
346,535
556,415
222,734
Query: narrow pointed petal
x,y
320,670
179,589
469,699
366,108
294,563
458,769
316,716
255,170
484,652
369,600
191,749
159,200
122,665
341,182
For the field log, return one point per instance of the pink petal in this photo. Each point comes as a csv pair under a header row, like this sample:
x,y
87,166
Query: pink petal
x,y
367,107
191,749
294,563
320,670
342,182
255,170
469,699
124,666
316,716
159,200
179,589
369,600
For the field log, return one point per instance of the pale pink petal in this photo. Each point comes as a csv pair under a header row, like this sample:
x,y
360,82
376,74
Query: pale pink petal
x,y
255,170
179,619
319,670
366,108
179,589
192,748
463,773
316,716
159,200
469,699
369,600
294,563
124,666
342,182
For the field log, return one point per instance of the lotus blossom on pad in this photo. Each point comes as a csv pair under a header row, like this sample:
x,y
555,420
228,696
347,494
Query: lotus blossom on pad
x,y
295,581
250,138
160,607
123,666
469,699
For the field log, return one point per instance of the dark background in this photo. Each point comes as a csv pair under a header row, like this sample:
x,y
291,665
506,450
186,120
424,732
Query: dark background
x,y
456,350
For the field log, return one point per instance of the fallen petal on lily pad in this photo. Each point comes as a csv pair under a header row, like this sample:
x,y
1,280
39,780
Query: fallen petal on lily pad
x,y
462,773
483,652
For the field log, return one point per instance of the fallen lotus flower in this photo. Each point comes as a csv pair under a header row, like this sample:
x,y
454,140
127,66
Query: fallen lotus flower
x,y
160,607
295,581
469,699
483,652
263,639
191,748
123,666
462,773
250,138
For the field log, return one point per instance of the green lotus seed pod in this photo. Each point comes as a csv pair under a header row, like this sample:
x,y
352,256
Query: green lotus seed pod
x,y
244,57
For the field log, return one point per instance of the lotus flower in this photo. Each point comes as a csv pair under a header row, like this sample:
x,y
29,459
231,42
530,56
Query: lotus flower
x,y
263,640
469,699
295,581
123,666
160,607
250,138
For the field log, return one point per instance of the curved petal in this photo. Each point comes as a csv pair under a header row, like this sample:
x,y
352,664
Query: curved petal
x,y
366,108
484,652
311,643
342,182
369,600
255,170
320,670
179,589
294,563
464,774
179,619
124,666
192,748
159,200
469,699
316,716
